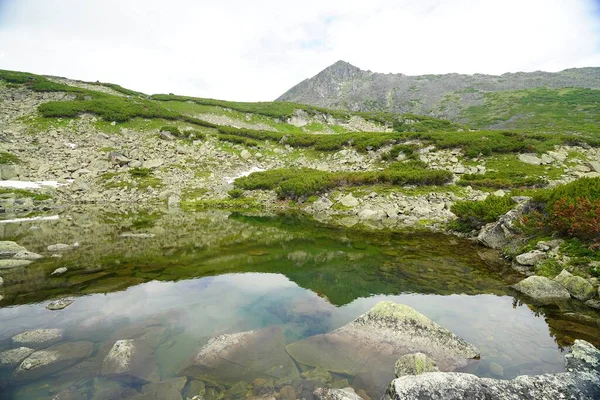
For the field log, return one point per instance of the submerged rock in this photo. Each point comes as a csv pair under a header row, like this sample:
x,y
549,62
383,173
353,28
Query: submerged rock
x,y
59,271
52,359
578,287
542,289
243,356
11,358
165,390
132,361
336,394
38,338
374,341
414,364
581,381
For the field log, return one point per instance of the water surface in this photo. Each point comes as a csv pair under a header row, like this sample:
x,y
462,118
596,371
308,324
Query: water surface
x,y
205,274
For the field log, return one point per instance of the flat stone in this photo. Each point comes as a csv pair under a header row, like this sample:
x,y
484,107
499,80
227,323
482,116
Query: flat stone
x,y
53,359
12,358
530,159
8,264
531,258
241,356
59,304
59,247
336,394
132,235
38,338
59,271
577,286
151,164
371,215
26,255
245,154
595,165
349,201
542,289
322,204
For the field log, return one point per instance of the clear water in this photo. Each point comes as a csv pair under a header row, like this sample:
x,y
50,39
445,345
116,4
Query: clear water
x,y
205,274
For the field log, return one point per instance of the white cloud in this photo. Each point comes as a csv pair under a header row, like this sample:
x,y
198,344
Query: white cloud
x,y
233,49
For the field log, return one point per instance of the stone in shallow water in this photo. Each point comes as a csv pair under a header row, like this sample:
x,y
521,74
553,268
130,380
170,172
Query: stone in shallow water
x,y
38,338
542,289
59,304
165,390
52,359
132,361
581,381
10,358
243,356
414,364
336,394
371,344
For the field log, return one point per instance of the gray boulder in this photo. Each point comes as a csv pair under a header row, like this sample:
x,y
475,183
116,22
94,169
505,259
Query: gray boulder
x,y
13,357
498,234
38,338
531,258
131,361
349,201
580,381
53,359
241,356
414,364
336,394
532,159
390,331
26,255
59,304
542,289
151,164
59,247
578,287
9,249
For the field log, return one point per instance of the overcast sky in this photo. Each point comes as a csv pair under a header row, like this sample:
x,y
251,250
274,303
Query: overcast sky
x,y
256,50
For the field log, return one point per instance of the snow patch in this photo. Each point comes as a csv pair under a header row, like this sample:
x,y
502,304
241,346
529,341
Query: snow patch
x,y
30,184
19,220
245,173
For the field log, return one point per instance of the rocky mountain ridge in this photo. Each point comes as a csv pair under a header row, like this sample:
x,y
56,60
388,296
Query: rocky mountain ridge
x,y
345,86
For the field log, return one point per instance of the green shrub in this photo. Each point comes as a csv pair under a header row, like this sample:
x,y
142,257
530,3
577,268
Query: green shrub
x,y
475,214
138,172
507,180
236,193
303,182
8,158
172,129
409,151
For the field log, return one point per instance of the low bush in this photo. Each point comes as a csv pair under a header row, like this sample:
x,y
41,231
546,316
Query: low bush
x,y
475,214
236,193
172,129
304,182
496,180
579,217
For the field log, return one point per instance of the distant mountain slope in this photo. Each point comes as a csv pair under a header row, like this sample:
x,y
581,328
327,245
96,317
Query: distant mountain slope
x,y
450,96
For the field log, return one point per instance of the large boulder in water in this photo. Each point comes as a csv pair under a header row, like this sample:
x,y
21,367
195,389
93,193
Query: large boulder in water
x,y
578,287
542,290
243,356
370,345
580,381
131,361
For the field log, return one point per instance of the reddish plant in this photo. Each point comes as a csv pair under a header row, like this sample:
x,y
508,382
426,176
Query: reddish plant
x,y
580,219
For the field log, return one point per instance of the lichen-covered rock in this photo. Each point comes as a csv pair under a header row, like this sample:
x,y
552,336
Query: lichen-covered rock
x,y
9,249
389,331
578,287
59,304
542,289
132,361
38,338
13,357
336,394
8,264
498,234
165,390
581,381
52,359
241,356
414,364
531,258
